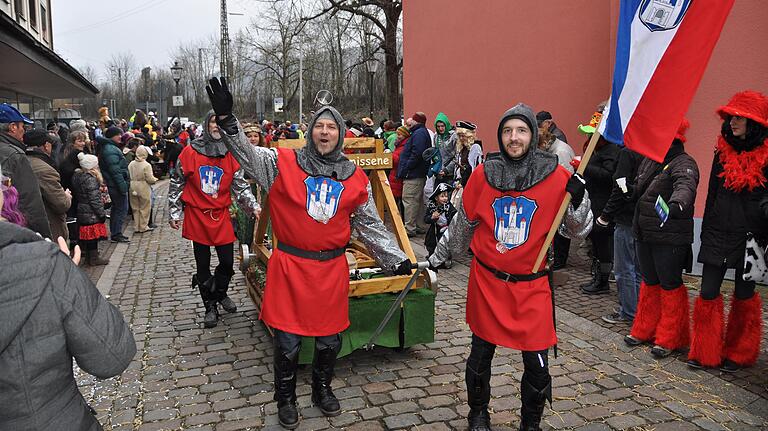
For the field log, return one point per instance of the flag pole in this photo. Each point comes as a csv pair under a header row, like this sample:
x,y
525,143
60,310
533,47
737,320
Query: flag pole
x,y
564,206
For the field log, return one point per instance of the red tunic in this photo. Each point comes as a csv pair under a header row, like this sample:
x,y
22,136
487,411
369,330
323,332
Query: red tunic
x,y
207,197
512,229
306,296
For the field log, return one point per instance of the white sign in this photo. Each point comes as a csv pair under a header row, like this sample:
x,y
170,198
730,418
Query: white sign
x,y
278,102
178,100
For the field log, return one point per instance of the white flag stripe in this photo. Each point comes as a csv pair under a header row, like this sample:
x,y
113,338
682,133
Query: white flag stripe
x,y
647,49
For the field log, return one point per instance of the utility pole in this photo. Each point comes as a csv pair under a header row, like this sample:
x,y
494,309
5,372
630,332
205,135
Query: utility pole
x,y
301,88
224,61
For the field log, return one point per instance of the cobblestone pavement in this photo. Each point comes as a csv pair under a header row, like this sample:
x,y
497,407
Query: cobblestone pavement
x,y
188,377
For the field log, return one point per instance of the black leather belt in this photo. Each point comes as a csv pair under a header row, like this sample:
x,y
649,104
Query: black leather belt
x,y
314,255
511,278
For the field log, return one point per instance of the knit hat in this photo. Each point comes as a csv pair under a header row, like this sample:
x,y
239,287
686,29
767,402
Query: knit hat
x,y
112,132
404,131
749,104
419,117
77,125
88,161
36,138
684,125
542,116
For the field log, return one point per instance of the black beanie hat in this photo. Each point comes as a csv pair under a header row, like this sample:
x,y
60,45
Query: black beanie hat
x,y
112,132
36,138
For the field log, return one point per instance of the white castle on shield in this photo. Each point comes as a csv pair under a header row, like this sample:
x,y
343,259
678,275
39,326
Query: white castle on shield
x,y
320,207
210,180
662,12
512,234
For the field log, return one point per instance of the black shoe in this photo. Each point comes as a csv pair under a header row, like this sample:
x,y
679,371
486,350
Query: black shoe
x,y
288,415
614,318
152,226
479,420
322,375
729,366
211,315
227,304
632,341
557,265
533,402
660,352
596,289
695,364
120,238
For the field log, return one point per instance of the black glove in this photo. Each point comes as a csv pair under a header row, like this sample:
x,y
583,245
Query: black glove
x,y
221,98
675,210
403,268
576,187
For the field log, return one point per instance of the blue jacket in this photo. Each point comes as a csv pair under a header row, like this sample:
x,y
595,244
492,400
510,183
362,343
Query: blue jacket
x,y
412,165
114,167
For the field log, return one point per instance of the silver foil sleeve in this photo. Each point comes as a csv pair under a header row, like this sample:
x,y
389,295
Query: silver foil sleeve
x,y
175,189
456,239
376,237
258,163
242,191
577,223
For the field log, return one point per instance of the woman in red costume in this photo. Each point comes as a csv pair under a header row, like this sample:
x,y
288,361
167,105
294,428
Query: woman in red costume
x,y
200,186
737,203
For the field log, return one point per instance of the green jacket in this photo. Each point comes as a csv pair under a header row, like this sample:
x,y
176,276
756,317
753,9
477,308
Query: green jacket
x,y
390,139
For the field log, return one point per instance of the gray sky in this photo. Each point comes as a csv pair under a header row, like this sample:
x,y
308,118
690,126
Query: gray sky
x,y
88,32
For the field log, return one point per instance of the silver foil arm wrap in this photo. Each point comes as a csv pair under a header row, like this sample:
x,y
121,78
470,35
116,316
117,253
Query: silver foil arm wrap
x,y
456,239
175,189
376,237
243,194
577,223
258,163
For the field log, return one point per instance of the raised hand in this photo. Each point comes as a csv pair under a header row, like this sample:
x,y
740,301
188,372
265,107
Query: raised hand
x,y
221,98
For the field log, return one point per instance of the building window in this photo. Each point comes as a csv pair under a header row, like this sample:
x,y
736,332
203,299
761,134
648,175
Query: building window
x,y
33,14
44,21
18,6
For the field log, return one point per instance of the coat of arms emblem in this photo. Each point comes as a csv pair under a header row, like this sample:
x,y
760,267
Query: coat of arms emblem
x,y
323,196
660,15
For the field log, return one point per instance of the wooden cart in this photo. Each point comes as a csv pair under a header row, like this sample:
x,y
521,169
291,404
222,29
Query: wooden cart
x,y
369,299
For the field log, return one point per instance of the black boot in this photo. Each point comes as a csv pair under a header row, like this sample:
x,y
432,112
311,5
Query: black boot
x,y
322,374
285,389
208,295
478,396
600,279
533,404
223,277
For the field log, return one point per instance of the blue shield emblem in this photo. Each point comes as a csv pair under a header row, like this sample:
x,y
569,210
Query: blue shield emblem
x,y
323,196
513,217
661,15
210,179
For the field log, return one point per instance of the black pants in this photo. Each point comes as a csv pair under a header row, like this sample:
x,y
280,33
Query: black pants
x,y
536,364
223,272
89,245
289,344
602,243
561,247
662,264
712,278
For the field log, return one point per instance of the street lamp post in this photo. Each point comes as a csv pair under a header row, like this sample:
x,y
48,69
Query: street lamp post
x,y
176,74
371,64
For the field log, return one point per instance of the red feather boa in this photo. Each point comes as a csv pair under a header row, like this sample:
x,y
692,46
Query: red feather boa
x,y
744,170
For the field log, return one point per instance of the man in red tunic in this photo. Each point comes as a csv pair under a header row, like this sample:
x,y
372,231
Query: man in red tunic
x,y
508,207
201,181
316,197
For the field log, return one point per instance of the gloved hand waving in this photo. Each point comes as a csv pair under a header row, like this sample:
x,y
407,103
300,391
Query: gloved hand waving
x,y
221,98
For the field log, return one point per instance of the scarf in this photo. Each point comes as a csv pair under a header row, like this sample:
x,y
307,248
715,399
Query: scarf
x,y
742,170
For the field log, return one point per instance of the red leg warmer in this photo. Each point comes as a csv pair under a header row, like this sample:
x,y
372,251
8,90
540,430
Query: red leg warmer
x,y
707,336
742,338
648,312
673,329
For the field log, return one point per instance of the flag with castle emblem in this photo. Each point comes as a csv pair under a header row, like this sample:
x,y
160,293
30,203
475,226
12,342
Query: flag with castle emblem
x,y
662,50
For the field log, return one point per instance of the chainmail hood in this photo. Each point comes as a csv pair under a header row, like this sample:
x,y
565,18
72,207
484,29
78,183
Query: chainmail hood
x,y
505,173
206,144
333,164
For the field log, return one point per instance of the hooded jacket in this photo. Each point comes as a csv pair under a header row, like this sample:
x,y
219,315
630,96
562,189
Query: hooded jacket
x,y
52,313
15,165
113,166
446,143
505,173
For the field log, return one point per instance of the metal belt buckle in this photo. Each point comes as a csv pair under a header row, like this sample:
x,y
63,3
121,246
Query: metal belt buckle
x,y
510,277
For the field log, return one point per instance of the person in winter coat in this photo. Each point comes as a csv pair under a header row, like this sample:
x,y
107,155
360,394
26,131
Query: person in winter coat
x,y
412,169
15,166
445,142
439,213
620,210
550,143
55,198
507,208
663,226
395,183
141,189
468,153
389,135
737,203
87,184
52,314
200,190
307,283
114,167
78,141
599,176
